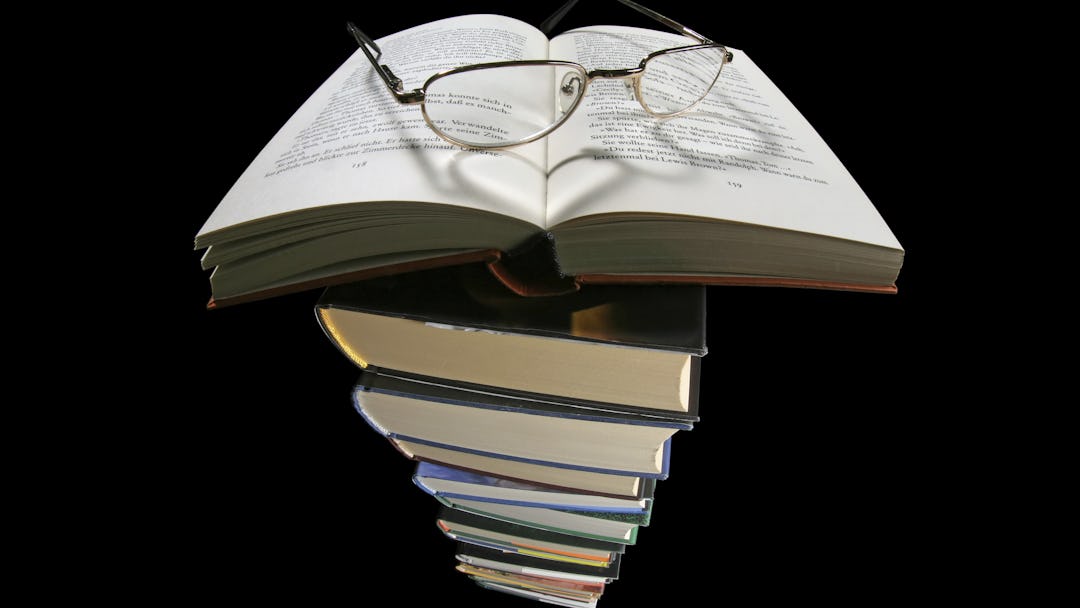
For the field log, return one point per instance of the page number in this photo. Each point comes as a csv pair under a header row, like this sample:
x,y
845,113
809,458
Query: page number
x,y
359,165
734,184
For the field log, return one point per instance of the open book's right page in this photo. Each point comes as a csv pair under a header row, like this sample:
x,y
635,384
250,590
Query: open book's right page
x,y
744,154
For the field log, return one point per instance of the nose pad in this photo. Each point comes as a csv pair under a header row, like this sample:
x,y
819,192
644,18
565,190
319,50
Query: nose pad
x,y
629,90
569,91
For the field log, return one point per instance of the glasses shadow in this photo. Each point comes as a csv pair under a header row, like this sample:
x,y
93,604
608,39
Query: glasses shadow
x,y
687,159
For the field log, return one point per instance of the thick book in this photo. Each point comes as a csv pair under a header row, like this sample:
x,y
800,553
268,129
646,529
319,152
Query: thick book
x,y
612,527
505,536
742,190
449,482
626,348
523,430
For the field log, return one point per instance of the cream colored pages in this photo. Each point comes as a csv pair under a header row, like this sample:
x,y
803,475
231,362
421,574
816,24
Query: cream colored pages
x,y
744,155
351,141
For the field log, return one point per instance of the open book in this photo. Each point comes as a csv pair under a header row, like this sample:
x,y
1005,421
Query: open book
x,y
741,190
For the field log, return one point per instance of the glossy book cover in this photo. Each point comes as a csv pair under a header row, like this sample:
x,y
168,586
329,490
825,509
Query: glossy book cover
x,y
663,317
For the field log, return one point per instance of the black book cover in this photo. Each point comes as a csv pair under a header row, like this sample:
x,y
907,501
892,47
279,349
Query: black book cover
x,y
665,317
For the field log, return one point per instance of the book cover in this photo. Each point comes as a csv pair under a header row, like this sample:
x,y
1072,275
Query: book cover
x,y
454,483
542,583
541,596
452,518
662,317
456,393
462,392
527,564
555,478
612,527
613,348
558,555
493,426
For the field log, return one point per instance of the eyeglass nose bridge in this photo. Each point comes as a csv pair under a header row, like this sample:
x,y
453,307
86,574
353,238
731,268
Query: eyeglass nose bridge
x,y
631,77
623,73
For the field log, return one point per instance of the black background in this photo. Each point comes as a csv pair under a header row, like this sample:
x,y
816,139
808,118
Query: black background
x,y
805,476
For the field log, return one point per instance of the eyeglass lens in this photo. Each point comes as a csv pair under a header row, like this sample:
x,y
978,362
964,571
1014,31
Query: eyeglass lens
x,y
502,105
676,80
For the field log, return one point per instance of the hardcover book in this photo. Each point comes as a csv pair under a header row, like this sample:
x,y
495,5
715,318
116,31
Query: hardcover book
x,y
526,564
619,348
522,430
560,599
559,478
453,483
505,536
612,527
741,190
583,592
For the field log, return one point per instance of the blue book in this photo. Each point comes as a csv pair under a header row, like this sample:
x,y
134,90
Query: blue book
x,y
456,484
529,432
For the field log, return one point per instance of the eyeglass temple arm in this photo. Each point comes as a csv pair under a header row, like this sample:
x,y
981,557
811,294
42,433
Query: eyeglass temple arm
x,y
549,24
392,82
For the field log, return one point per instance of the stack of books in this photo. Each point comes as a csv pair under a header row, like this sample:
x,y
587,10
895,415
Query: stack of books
x,y
541,424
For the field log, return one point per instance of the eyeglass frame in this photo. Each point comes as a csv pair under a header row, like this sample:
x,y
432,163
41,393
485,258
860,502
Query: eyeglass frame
x,y
418,96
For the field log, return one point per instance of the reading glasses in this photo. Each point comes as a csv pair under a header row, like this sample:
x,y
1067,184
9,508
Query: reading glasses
x,y
503,103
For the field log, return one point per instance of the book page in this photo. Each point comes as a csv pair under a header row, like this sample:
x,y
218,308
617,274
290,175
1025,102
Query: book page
x,y
351,141
744,154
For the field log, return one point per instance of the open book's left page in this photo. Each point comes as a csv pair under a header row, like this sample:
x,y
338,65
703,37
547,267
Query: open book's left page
x,y
352,142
